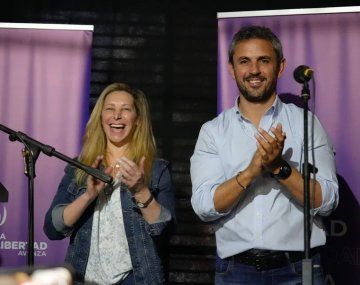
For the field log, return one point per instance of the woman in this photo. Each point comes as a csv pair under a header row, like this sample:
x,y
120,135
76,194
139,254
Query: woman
x,y
115,229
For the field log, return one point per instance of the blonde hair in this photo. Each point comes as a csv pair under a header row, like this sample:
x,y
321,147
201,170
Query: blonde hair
x,y
142,142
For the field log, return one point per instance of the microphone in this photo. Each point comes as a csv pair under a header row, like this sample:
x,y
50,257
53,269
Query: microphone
x,y
303,73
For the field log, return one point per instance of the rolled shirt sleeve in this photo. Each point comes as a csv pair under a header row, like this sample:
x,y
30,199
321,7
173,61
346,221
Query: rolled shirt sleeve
x,y
207,174
326,175
58,220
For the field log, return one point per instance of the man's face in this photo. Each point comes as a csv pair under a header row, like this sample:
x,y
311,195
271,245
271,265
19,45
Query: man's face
x,y
255,69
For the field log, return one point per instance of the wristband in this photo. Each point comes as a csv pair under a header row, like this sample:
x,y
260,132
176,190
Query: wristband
x,y
145,204
236,178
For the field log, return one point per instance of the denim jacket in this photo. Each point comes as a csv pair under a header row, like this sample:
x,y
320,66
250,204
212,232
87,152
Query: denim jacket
x,y
145,240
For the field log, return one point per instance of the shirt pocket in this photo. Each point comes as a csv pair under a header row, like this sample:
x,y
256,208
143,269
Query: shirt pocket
x,y
75,190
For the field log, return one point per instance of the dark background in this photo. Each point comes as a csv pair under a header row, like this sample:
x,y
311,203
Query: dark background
x,y
169,50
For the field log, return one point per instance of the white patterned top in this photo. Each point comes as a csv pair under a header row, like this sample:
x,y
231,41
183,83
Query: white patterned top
x,y
109,259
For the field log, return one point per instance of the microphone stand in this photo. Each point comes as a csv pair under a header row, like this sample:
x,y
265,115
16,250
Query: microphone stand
x,y
30,153
307,276
4,194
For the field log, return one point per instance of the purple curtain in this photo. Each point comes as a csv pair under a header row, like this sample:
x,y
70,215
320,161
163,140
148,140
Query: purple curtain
x,y
329,43
44,84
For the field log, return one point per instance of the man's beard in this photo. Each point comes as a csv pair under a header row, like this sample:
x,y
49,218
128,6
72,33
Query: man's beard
x,y
264,97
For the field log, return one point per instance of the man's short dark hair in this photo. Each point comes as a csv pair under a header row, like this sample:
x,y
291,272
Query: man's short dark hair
x,y
256,32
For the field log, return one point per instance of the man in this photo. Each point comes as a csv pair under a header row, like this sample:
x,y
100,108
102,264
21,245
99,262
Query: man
x,y
246,176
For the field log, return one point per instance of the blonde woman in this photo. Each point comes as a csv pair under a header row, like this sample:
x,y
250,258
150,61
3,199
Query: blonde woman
x,y
115,229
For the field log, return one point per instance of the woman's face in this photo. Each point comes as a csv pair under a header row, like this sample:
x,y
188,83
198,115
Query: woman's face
x,y
118,117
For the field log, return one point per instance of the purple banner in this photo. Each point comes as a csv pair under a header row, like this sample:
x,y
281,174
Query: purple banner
x,y
328,43
44,85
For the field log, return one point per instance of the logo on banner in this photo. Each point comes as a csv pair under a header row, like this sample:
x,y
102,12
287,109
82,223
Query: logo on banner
x,y
3,216
21,246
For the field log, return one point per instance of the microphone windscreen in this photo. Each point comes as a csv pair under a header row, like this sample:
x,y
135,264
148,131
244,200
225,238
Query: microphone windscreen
x,y
303,73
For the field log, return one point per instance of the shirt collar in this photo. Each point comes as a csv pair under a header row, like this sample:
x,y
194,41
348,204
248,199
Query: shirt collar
x,y
273,110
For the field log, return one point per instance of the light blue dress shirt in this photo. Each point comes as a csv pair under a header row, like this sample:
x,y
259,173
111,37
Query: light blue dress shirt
x,y
267,217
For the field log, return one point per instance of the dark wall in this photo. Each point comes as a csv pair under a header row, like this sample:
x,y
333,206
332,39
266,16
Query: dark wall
x,y
169,50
